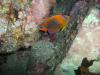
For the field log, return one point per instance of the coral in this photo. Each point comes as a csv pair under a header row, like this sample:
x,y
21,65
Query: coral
x,y
43,51
9,45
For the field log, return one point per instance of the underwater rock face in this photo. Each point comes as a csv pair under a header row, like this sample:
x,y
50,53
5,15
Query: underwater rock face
x,y
9,46
86,44
3,25
40,9
79,7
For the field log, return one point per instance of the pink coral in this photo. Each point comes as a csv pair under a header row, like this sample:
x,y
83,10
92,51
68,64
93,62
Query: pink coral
x,y
30,15
40,8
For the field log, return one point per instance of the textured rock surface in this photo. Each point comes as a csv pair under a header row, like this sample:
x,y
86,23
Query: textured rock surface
x,y
86,44
9,46
3,24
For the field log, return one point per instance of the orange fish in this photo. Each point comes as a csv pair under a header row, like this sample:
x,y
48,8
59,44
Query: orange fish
x,y
54,23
